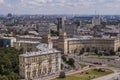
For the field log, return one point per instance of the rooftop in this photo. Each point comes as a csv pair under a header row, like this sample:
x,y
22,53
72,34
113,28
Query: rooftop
x,y
104,38
43,49
31,54
28,41
28,36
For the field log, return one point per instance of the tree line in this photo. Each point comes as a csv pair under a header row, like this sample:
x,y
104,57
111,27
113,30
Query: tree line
x,y
9,63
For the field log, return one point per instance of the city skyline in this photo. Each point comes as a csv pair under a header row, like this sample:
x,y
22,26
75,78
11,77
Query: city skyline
x,y
60,7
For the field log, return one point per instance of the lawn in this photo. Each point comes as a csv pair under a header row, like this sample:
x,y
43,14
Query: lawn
x,y
86,75
82,65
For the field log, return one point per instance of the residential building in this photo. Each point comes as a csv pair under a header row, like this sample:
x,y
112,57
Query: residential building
x,y
45,61
71,45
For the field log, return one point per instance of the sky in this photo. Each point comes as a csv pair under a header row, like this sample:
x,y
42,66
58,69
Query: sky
x,y
83,7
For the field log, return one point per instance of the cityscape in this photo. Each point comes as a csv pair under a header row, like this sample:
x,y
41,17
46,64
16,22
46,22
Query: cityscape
x,y
59,40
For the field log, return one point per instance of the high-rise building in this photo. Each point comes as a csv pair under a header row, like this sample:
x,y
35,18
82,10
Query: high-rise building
x,y
9,15
119,30
61,24
96,21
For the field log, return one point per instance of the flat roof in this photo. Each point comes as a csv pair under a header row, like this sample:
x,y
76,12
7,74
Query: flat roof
x,y
28,36
43,49
21,41
72,39
39,53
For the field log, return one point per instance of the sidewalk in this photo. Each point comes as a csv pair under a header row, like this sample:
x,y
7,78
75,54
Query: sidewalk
x,y
114,76
67,73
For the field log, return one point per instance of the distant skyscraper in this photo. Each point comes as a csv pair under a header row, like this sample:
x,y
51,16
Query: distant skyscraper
x,y
9,15
61,24
96,21
119,29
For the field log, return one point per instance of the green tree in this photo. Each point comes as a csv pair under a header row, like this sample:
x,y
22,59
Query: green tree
x,y
3,77
88,50
119,49
112,52
96,51
81,52
64,58
62,74
71,61
9,63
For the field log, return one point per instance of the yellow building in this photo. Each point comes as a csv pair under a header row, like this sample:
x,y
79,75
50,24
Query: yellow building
x,y
72,45
76,44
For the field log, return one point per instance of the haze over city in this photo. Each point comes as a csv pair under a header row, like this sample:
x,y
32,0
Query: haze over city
x,y
59,39
83,7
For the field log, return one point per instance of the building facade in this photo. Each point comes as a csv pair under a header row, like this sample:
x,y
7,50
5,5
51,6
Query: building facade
x,y
61,43
43,62
76,45
96,21
28,38
72,45
71,29
46,61
61,24
26,45
7,41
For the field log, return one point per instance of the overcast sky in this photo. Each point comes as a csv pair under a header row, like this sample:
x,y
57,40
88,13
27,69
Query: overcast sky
x,y
60,6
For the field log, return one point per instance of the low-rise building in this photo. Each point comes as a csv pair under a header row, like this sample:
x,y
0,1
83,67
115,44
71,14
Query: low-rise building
x,y
28,38
7,41
26,45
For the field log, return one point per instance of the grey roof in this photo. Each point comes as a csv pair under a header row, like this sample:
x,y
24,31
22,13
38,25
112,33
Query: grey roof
x,y
30,54
43,49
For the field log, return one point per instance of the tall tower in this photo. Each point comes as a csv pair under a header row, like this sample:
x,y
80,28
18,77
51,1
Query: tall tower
x,y
62,43
61,24
47,39
96,21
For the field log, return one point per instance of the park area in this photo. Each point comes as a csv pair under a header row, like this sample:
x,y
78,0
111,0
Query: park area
x,y
87,75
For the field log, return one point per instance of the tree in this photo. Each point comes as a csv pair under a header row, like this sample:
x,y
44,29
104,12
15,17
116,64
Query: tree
x,y
71,61
81,52
119,49
75,51
3,78
112,52
64,58
88,50
96,51
9,63
54,33
62,74
106,53
83,49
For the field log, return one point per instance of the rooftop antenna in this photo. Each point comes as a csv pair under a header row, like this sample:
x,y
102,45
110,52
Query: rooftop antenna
x,y
97,14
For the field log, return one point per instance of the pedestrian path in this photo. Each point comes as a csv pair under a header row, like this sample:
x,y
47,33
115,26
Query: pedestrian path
x,y
114,76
